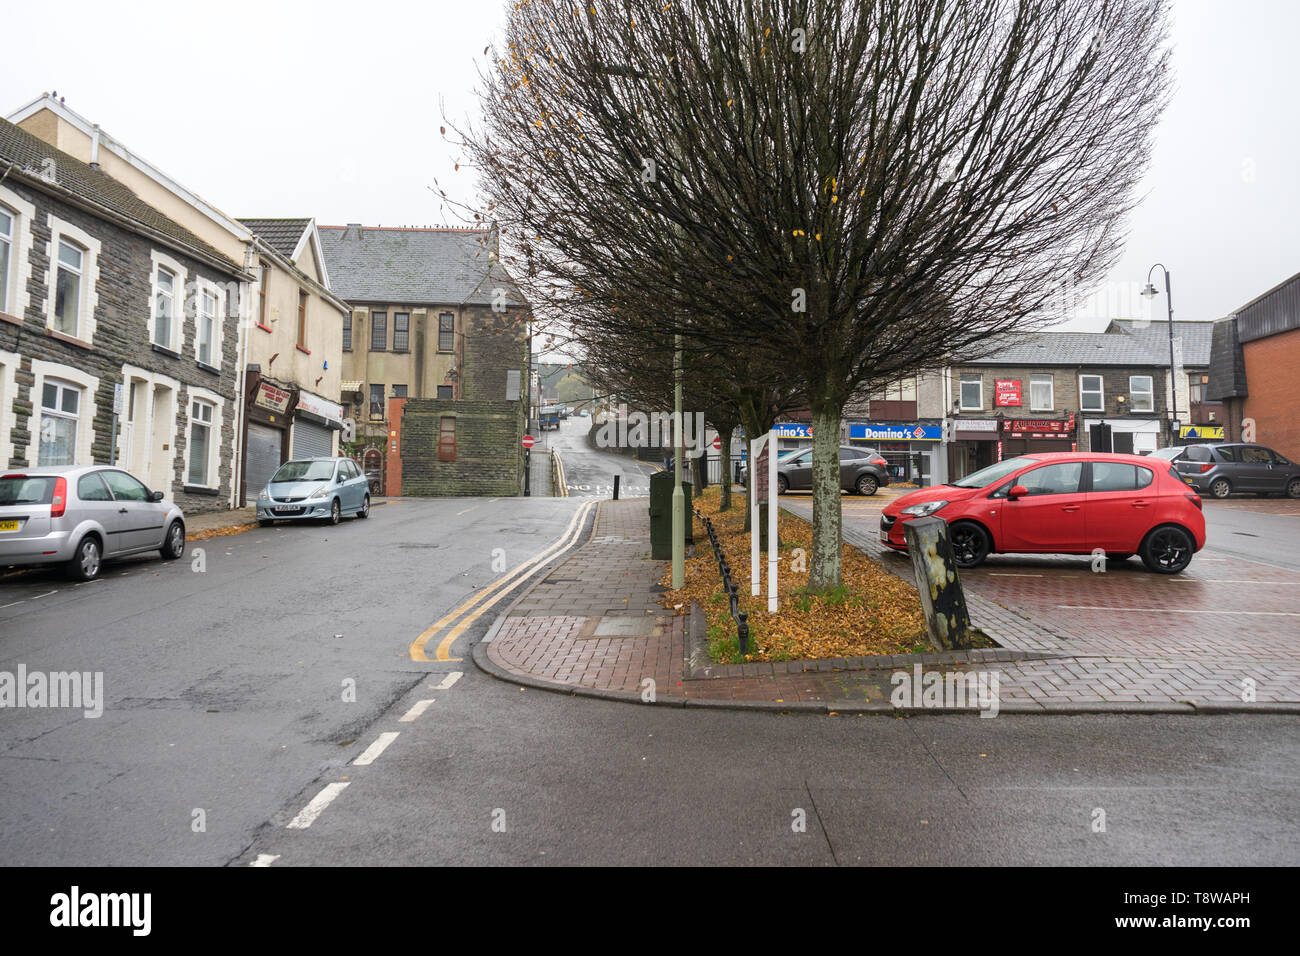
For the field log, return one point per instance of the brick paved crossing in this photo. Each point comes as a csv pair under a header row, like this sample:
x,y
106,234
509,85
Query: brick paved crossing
x,y
596,623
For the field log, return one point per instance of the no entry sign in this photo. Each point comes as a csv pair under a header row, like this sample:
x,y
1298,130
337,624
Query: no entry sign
x,y
717,443
529,441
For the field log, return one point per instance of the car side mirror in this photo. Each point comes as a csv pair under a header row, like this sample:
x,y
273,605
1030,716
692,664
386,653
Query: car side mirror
x,y
155,496
1017,491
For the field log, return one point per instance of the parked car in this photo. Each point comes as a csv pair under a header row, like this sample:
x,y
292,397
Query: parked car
x,y
862,471
1062,503
314,489
81,515
1225,468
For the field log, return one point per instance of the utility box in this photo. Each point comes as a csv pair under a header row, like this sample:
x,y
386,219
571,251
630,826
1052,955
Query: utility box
x,y
661,515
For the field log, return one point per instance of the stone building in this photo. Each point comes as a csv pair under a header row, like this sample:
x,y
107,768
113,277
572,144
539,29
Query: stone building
x,y
437,330
118,329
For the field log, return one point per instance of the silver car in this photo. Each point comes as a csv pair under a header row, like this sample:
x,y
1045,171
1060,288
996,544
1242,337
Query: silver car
x,y
79,515
315,489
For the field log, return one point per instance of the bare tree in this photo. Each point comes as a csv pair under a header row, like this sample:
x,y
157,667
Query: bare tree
x,y
851,189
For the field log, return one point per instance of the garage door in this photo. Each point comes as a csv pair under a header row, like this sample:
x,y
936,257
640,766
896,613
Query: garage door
x,y
263,459
311,440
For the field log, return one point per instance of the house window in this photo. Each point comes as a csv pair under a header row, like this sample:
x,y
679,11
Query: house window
x,y
207,327
7,221
200,443
164,308
972,392
1040,393
1091,398
347,332
399,391
378,331
302,320
60,410
376,403
444,391
1196,387
263,276
447,438
67,295
401,331
446,332
1141,393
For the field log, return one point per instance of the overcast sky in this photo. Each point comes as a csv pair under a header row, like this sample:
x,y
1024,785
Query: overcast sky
x,y
332,110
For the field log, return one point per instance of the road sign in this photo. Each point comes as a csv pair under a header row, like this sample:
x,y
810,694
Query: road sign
x,y
529,441
717,442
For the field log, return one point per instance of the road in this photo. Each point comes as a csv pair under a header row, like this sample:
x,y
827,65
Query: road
x,y
1266,531
227,719
590,472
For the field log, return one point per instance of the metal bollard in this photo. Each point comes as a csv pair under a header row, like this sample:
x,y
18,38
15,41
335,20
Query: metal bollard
x,y
616,478
742,632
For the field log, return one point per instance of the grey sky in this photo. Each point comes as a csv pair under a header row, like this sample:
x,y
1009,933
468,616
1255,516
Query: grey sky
x,y
332,110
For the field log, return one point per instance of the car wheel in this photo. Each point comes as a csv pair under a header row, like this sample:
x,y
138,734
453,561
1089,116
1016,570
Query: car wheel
x,y
970,544
336,512
365,508
174,546
1293,488
1168,549
1221,487
782,484
867,485
87,560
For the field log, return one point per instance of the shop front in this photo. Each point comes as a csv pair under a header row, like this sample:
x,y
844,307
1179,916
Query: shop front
x,y
1127,436
268,415
974,445
316,423
1025,436
909,448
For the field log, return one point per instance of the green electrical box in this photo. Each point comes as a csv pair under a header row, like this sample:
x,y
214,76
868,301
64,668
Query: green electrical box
x,y
661,515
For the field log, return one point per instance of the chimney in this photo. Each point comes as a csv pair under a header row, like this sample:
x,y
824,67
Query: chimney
x,y
353,231
94,148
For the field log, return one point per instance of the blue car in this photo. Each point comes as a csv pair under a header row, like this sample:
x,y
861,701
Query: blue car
x,y
314,489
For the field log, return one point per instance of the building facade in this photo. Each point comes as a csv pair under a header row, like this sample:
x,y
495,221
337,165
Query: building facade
x,y
434,318
118,330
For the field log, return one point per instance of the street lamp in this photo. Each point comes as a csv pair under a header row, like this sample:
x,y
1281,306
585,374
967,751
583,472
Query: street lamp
x,y
1150,293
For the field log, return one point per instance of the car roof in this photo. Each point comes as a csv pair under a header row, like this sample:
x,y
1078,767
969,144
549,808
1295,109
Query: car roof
x,y
1086,455
54,470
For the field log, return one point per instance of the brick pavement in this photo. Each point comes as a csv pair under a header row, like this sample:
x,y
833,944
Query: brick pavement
x,y
595,624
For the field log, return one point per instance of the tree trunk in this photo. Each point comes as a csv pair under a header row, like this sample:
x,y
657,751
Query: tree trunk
x,y
724,468
700,469
825,569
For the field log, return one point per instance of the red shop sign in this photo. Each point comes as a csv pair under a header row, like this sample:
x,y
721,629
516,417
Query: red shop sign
x,y
1006,392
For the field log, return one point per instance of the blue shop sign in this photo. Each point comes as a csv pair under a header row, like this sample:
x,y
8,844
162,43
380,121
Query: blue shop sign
x,y
910,432
788,430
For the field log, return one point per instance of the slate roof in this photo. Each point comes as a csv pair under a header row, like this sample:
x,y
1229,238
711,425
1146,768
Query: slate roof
x,y
1196,336
282,235
28,154
417,266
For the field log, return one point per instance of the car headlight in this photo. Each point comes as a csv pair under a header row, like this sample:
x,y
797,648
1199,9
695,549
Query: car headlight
x,y
929,508
263,496
320,494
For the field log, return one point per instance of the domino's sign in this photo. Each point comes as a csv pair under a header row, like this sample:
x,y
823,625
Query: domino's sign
x,y
896,432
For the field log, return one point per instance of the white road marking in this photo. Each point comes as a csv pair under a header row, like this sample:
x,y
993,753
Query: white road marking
x,y
14,604
466,511
1012,574
1175,610
447,681
265,859
420,707
1223,581
46,594
374,750
308,814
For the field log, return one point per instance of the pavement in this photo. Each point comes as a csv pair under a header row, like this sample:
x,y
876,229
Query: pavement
x,y
1222,636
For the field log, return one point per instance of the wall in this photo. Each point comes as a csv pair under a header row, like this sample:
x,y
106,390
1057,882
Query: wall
x,y
324,335
1271,366
489,456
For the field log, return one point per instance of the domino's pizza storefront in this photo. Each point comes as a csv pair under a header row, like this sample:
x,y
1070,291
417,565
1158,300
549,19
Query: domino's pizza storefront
x,y
909,448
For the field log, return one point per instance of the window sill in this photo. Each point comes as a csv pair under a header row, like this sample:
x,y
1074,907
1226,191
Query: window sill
x,y
164,350
200,490
12,319
70,339
401,351
210,369
304,351
264,328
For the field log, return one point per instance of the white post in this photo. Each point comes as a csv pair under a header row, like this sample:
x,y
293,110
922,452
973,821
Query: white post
x,y
755,446
772,556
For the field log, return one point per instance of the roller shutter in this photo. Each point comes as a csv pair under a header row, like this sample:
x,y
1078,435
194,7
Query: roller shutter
x,y
311,440
263,459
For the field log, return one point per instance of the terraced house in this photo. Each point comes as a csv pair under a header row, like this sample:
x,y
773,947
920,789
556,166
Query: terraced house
x,y
118,330
438,335
288,327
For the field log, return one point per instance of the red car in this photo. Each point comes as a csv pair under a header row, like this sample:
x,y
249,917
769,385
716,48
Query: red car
x,y
1062,503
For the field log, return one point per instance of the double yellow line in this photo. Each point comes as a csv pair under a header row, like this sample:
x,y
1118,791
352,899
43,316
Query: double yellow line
x,y
560,476
474,608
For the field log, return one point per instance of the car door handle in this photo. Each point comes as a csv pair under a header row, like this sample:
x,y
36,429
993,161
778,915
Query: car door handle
x,y
1070,507
122,511
1141,504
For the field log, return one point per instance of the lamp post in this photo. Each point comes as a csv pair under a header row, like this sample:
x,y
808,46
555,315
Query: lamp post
x,y
1150,292
679,452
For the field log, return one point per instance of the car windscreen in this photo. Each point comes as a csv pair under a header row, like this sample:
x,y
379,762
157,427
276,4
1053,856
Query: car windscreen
x,y
992,474
24,490
1169,454
304,471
